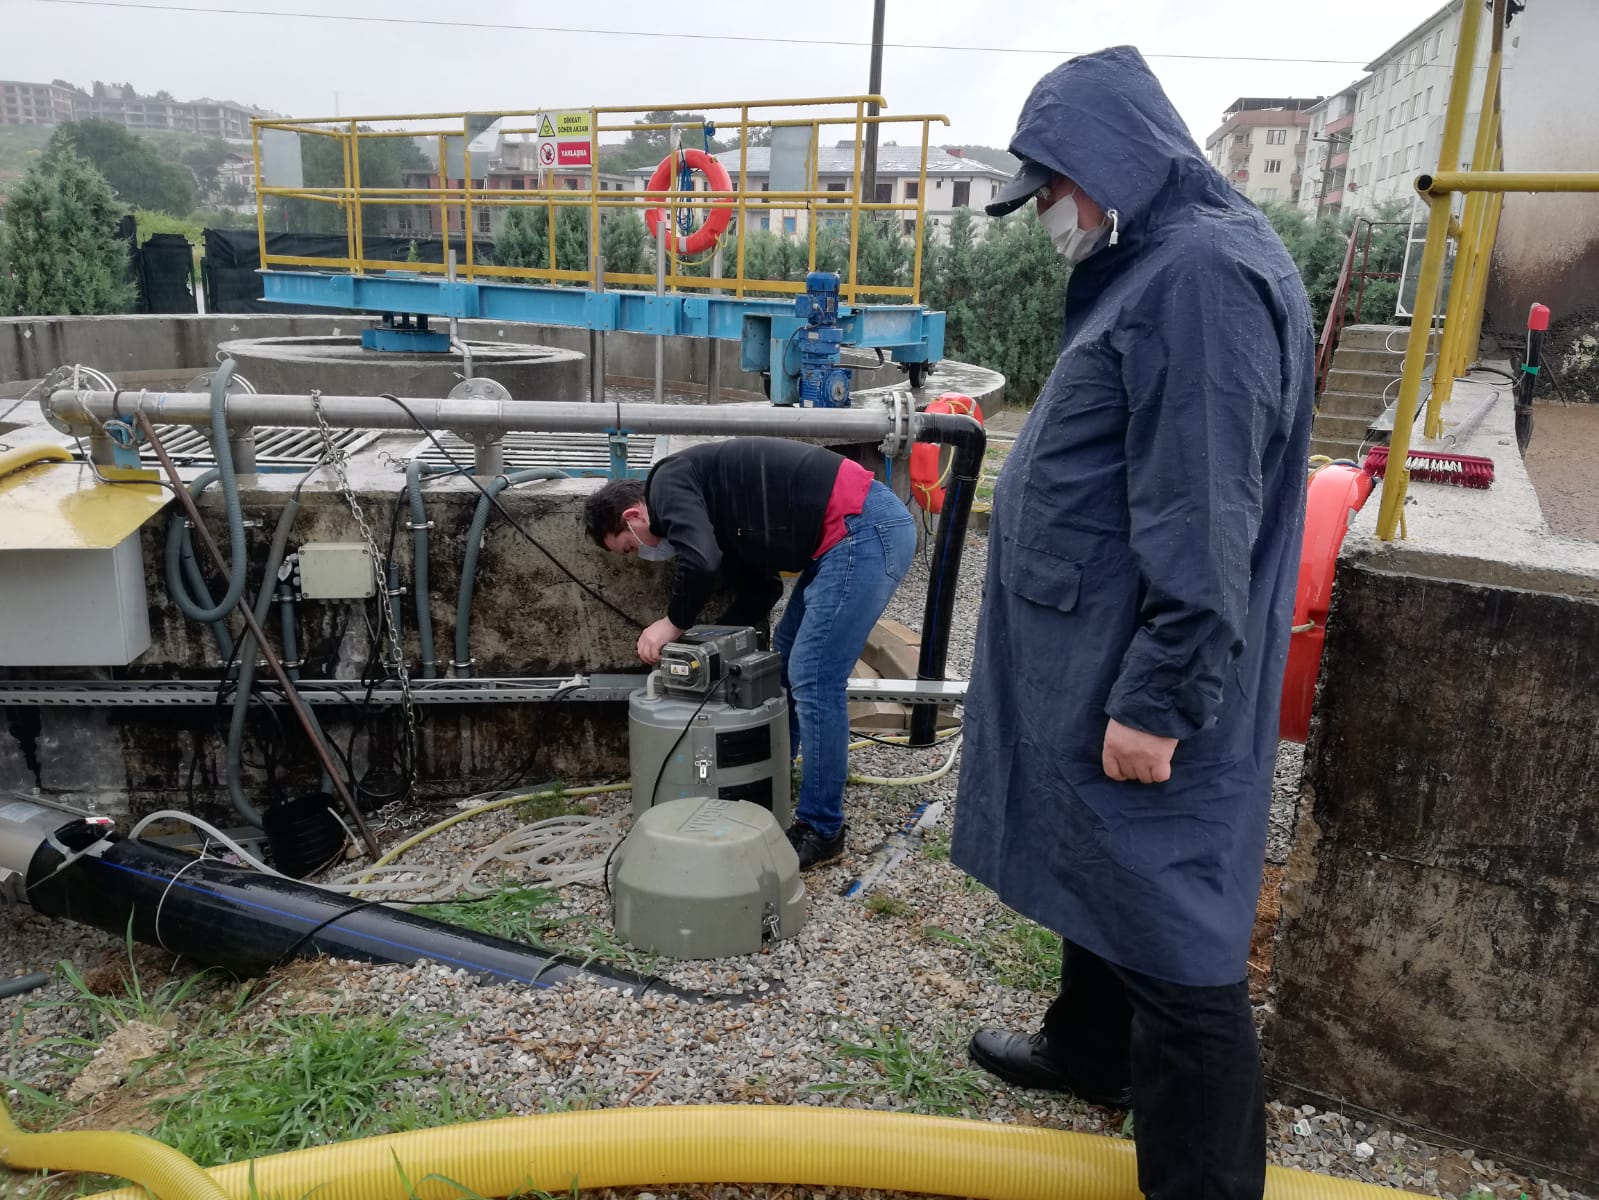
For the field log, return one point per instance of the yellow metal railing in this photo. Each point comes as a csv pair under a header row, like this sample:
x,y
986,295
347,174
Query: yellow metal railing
x,y
1484,186
467,199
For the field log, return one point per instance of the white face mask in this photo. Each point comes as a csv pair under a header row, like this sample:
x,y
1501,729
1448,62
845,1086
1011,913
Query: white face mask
x,y
1074,244
657,553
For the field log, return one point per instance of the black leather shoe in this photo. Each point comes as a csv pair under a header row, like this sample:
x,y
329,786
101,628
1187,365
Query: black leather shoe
x,y
1025,1061
813,849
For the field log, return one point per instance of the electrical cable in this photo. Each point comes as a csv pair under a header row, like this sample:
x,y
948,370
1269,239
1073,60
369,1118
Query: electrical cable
x,y
897,741
506,26
660,771
510,520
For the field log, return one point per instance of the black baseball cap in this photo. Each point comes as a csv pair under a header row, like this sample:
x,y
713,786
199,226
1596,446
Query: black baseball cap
x,y
1026,183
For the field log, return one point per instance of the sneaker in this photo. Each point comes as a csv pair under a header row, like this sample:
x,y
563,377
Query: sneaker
x,y
813,849
1026,1061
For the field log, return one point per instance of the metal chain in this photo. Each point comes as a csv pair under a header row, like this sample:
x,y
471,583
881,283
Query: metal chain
x,y
337,458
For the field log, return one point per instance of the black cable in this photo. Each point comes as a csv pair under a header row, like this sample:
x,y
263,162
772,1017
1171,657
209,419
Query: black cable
x,y
605,876
682,733
510,520
943,736
306,938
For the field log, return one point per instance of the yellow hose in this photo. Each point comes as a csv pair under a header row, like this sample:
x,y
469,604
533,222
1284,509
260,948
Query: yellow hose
x,y
26,456
669,1146
167,1174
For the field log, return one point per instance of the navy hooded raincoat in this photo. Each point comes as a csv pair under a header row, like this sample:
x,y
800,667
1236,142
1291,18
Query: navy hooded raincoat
x,y
1143,553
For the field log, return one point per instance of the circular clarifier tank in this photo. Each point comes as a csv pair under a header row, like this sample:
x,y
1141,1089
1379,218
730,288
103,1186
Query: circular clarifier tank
x,y
341,366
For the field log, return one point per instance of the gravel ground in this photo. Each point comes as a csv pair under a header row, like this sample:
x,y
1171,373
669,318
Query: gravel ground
x,y
931,967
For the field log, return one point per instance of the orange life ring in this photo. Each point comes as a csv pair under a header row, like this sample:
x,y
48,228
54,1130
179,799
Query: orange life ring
x,y
705,237
926,480
1335,494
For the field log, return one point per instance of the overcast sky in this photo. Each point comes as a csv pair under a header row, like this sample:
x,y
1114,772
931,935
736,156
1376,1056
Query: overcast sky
x,y
303,65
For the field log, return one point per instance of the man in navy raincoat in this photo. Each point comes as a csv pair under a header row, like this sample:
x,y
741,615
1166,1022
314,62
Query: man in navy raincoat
x,y
1121,724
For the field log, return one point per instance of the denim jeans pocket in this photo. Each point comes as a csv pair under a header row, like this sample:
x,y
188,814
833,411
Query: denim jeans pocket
x,y
898,540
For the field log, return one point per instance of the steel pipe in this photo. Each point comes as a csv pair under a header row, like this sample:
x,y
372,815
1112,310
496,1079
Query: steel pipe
x,y
1442,183
71,410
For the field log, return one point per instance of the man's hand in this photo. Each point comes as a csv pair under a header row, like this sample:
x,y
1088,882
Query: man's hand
x,y
653,638
1132,755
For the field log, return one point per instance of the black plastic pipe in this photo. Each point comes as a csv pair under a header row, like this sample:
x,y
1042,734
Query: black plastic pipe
x,y
247,922
966,437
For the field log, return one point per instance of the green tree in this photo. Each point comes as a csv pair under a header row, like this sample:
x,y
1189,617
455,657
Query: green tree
x,y
205,161
129,164
59,253
1016,298
1319,246
384,162
646,147
523,239
624,241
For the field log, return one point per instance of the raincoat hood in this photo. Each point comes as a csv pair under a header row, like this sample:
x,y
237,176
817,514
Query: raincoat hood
x,y
1104,122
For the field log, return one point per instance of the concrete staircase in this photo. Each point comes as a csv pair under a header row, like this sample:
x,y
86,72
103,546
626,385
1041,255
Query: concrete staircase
x,y
1363,380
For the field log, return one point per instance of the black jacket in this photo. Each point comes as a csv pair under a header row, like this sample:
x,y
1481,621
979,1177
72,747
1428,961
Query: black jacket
x,y
746,509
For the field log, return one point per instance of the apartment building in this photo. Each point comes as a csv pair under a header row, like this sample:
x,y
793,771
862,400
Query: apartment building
x,y
35,103
58,102
1397,121
1260,146
1326,170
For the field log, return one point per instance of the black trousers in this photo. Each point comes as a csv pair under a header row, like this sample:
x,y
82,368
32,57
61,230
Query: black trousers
x,y
1199,1104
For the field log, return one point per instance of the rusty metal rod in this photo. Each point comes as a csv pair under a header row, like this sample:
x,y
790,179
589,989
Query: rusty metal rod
x,y
301,713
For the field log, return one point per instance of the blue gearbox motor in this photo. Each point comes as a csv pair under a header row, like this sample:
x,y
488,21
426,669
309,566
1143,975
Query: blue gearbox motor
x,y
823,383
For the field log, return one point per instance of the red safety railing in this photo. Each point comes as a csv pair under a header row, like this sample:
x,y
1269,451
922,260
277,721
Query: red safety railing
x,y
1338,312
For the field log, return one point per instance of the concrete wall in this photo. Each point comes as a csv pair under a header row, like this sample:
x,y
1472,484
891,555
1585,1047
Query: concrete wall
x,y
1548,249
528,618
30,347
1437,961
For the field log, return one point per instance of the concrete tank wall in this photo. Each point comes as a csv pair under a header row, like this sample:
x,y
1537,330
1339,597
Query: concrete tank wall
x,y
1437,960
170,345
528,618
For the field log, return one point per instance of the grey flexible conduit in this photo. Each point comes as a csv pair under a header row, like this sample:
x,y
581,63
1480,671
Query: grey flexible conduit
x,y
181,566
246,684
474,545
419,554
291,664
177,535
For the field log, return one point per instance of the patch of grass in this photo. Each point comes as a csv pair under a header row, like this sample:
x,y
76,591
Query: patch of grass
x,y
1025,955
881,905
936,845
552,802
512,913
131,1000
590,940
922,1079
935,933
306,1079
31,1108
516,913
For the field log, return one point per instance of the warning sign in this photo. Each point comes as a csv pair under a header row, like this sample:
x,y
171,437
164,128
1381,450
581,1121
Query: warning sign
x,y
564,139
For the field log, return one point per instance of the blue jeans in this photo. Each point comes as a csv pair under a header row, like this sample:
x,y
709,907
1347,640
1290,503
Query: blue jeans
x,y
823,631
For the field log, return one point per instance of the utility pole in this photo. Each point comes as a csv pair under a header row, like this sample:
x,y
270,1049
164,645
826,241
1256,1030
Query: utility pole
x,y
875,87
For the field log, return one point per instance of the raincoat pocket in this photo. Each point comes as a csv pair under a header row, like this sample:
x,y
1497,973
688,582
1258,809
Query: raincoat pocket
x,y
1042,577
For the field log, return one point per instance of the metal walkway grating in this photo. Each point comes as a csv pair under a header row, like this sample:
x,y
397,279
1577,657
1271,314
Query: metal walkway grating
x,y
277,447
586,453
